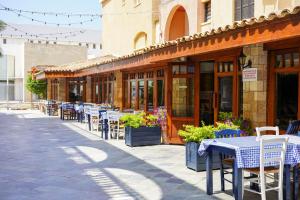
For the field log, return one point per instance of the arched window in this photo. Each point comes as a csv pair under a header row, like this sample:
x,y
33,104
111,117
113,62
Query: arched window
x,y
177,24
140,40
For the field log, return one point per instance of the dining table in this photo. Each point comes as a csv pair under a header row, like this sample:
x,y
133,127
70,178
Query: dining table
x,y
246,154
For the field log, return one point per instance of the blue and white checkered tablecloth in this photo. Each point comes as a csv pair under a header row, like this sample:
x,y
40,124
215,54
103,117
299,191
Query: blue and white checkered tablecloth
x,y
248,151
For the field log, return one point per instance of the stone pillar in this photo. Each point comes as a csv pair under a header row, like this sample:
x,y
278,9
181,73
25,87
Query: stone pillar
x,y
49,91
255,92
118,92
88,89
62,96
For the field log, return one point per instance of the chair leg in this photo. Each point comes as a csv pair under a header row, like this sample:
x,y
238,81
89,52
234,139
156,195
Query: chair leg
x,y
233,175
243,182
222,173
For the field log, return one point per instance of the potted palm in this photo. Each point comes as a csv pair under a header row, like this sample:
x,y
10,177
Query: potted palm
x,y
141,129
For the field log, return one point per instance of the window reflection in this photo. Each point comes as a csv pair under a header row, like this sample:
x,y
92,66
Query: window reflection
x,y
160,93
132,94
225,94
150,86
183,97
141,95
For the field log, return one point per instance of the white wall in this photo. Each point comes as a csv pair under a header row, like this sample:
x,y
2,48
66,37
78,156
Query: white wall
x,y
15,47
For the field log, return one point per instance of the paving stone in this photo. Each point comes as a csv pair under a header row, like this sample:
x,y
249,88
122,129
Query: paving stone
x,y
45,158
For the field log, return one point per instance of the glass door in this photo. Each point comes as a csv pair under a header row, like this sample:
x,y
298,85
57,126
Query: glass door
x,y
284,98
182,99
226,95
207,92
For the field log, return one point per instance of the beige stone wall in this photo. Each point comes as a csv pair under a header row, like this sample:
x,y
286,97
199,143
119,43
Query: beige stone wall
x,y
255,93
122,23
50,54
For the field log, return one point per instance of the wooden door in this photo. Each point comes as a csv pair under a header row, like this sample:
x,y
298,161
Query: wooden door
x,y
181,99
284,87
226,86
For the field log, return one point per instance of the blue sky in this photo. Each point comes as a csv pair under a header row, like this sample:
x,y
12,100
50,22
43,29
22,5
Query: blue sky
x,y
68,6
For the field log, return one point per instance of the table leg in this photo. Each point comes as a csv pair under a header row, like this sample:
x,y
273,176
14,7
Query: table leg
x,y
296,182
89,122
209,173
287,182
237,181
105,129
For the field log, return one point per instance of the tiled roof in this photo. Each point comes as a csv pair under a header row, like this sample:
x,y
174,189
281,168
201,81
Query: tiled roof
x,y
71,67
234,26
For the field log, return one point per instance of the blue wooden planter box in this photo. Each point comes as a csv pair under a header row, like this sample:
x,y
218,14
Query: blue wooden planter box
x,y
194,161
142,136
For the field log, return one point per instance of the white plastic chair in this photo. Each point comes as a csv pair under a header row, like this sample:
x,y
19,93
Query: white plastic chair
x,y
86,111
267,128
272,150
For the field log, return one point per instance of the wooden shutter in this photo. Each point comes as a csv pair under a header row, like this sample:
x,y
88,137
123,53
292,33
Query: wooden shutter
x,y
238,10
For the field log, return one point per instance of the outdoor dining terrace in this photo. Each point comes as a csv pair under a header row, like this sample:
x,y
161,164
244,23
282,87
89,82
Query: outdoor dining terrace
x,y
233,153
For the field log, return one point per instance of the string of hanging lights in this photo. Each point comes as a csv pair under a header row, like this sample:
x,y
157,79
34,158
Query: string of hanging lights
x,y
57,14
54,36
69,15
19,14
46,34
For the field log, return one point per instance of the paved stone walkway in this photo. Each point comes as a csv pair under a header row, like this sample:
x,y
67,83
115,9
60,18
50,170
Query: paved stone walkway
x,y
44,158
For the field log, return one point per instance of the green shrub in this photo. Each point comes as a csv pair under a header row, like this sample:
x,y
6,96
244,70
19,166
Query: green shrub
x,y
226,125
140,119
196,134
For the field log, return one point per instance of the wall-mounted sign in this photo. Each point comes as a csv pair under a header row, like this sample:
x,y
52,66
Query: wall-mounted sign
x,y
250,74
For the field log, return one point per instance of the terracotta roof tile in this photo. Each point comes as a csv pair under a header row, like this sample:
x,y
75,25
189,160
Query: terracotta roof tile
x,y
238,24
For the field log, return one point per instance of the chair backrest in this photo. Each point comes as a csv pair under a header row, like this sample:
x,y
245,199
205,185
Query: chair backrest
x,y
86,109
267,128
94,111
272,153
226,133
113,115
293,128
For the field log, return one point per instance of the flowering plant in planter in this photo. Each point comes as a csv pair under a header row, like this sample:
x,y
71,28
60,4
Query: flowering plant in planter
x,y
243,124
141,129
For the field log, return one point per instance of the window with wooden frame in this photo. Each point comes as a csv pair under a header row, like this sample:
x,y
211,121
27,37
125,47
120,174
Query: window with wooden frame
x,y
207,11
228,88
283,94
76,88
144,90
243,9
103,89
183,90
54,89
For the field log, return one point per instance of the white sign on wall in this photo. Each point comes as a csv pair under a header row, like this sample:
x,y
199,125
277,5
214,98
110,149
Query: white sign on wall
x,y
250,74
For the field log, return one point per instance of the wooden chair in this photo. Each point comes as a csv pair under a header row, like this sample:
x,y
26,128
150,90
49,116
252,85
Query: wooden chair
x,y
293,128
275,154
267,128
225,161
94,119
114,123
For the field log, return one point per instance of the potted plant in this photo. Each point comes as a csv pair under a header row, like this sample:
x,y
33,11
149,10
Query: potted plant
x,y
141,129
193,136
